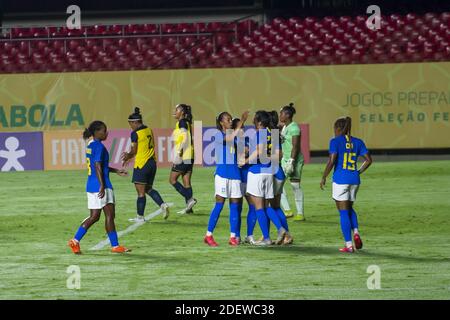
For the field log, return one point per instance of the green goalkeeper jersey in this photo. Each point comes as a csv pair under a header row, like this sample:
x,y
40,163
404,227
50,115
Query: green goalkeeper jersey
x,y
289,131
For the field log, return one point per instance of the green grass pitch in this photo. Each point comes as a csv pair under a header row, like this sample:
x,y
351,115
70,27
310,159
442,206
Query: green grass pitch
x,y
404,215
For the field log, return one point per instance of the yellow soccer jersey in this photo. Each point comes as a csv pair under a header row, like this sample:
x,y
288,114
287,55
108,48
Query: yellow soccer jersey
x,y
143,136
183,132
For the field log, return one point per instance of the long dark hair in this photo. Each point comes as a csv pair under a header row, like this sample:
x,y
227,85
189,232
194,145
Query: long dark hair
x,y
273,119
187,111
219,119
93,127
136,116
345,125
289,110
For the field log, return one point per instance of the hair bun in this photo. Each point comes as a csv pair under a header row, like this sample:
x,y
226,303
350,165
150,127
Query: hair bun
x,y
292,106
137,110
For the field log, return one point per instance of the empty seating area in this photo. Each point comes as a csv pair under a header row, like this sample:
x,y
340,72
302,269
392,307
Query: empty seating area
x,y
282,42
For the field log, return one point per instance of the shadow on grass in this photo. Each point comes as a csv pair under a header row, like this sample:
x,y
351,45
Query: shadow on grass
x,y
150,257
333,251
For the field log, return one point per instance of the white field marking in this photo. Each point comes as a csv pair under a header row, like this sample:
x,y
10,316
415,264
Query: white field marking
x,y
131,228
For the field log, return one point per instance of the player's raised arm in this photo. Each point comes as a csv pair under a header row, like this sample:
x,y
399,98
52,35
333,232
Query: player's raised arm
x,y
230,137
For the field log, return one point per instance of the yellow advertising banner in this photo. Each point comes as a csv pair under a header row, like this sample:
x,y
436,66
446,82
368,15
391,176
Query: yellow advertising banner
x,y
392,105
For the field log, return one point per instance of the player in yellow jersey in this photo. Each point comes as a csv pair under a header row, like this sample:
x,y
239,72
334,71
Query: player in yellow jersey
x,y
183,157
143,150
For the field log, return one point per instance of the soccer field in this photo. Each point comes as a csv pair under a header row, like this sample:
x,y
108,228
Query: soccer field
x,y
403,212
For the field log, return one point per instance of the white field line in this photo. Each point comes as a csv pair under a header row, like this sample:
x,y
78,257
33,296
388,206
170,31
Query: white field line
x,y
131,228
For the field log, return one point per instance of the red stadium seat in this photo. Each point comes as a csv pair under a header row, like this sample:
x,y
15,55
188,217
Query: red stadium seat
x,y
308,40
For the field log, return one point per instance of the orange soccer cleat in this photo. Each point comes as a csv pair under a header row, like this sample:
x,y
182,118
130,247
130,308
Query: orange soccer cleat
x,y
120,249
75,246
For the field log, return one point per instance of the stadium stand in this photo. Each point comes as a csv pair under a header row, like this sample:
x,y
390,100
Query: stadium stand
x,y
281,42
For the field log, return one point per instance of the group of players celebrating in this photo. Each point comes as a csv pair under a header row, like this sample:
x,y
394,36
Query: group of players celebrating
x,y
252,164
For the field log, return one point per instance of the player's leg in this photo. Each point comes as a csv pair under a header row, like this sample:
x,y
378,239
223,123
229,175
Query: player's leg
x,y
285,204
234,193
213,218
74,243
156,197
346,228
239,223
272,215
140,182
173,180
251,220
234,221
284,199
141,202
110,227
257,187
354,218
288,239
299,197
260,210
190,200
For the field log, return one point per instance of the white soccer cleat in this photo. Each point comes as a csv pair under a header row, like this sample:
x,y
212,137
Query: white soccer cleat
x,y
137,219
190,204
250,240
165,210
263,243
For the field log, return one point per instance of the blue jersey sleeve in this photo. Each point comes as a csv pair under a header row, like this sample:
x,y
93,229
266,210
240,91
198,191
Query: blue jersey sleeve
x,y
134,137
333,146
219,139
97,153
363,149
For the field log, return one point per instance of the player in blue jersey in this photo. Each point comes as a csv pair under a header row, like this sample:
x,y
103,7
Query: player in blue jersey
x,y
99,188
263,166
343,155
243,153
227,178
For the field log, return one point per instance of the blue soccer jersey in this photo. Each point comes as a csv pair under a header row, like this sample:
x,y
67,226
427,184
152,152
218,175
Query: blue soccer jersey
x,y
226,158
96,152
244,168
279,175
263,138
348,149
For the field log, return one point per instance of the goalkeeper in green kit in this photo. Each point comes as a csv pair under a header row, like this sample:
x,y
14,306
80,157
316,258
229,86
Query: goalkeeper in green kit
x,y
292,161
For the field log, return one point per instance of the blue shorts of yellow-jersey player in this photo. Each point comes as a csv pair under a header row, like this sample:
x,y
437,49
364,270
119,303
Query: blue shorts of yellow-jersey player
x,y
146,174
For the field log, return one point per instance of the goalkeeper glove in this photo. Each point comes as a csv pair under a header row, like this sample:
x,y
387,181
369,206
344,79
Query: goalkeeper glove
x,y
289,167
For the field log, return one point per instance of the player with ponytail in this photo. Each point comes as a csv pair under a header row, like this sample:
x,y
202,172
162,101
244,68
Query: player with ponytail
x,y
183,157
99,189
344,152
292,161
143,150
